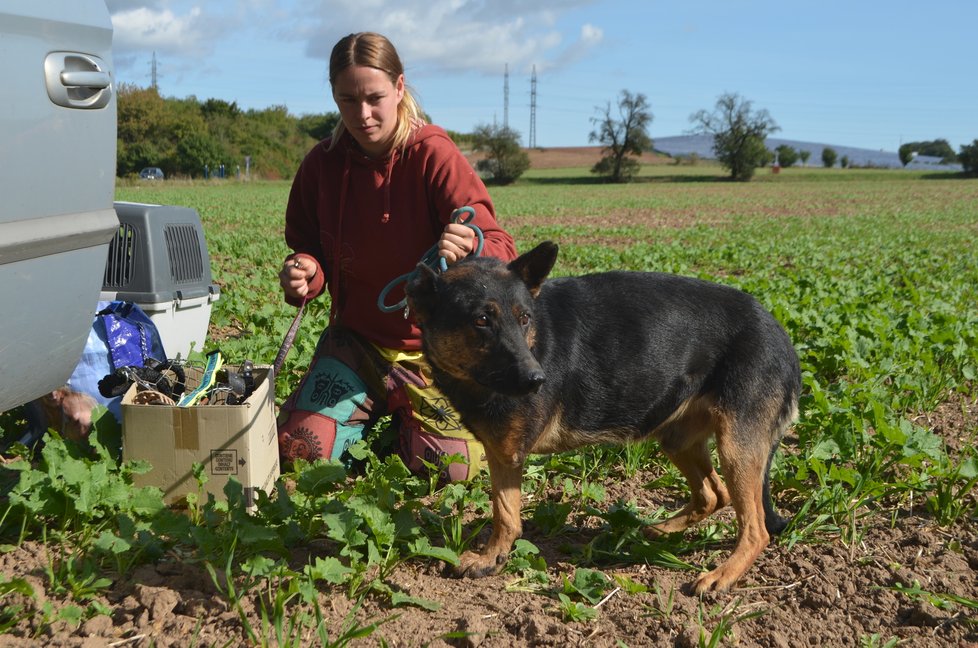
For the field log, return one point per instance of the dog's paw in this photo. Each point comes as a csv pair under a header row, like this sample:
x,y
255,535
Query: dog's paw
x,y
654,531
479,565
718,580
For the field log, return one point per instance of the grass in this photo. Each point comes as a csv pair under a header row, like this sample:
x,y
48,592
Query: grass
x,y
872,273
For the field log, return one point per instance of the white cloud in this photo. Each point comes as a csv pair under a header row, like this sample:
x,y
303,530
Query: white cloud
x,y
454,35
160,30
194,39
116,6
590,38
591,35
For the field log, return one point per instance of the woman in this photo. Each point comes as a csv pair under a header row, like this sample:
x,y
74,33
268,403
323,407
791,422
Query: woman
x,y
366,204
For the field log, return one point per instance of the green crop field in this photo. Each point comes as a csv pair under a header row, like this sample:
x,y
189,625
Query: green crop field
x,y
873,273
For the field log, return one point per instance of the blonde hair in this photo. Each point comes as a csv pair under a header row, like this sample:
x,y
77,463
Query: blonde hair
x,y
370,49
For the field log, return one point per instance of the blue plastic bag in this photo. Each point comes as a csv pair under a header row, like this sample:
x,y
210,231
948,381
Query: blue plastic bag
x,y
122,335
131,335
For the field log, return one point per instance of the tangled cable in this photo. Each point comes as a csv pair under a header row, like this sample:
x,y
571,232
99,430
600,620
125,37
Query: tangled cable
x,y
166,377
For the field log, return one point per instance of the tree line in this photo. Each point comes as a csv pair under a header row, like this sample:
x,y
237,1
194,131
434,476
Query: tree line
x,y
196,139
193,138
739,133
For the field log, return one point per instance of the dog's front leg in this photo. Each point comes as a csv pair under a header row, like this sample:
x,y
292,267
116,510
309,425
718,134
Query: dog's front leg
x,y
506,523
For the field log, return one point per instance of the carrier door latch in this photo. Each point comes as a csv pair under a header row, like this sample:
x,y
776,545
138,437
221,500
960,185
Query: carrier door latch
x,y
75,80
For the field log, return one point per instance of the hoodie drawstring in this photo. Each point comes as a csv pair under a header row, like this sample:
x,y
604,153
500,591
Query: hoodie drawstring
x,y
337,241
387,189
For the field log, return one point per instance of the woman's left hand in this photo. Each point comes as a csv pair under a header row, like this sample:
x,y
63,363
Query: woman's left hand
x,y
457,242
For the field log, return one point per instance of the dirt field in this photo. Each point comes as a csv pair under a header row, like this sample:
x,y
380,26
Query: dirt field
x,y
826,595
574,156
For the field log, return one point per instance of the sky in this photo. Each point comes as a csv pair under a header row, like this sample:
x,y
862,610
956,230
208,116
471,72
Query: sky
x,y
865,73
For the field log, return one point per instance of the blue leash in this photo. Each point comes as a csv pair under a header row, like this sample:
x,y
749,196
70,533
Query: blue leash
x,y
462,216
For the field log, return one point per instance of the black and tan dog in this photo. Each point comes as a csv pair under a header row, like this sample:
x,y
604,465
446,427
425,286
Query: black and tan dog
x,y
536,367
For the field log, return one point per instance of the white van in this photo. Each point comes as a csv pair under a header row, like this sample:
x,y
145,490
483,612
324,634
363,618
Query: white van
x,y
57,182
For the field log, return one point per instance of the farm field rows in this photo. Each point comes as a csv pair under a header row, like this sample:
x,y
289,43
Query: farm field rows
x,y
873,274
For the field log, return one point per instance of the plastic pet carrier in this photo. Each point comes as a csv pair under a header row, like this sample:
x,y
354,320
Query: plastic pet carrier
x,y
159,260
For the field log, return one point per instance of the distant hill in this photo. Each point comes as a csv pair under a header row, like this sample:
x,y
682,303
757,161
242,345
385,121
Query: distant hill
x,y
702,145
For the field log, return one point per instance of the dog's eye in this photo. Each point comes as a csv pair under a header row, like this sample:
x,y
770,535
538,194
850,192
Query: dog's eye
x,y
524,319
482,321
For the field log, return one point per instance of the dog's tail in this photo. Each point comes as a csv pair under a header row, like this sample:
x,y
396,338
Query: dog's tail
x,y
773,522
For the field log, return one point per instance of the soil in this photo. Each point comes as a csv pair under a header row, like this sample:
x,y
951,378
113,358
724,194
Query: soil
x,y
833,594
839,593
556,158
573,156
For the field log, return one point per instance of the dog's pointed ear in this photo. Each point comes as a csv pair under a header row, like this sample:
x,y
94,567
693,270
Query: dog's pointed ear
x,y
422,292
534,266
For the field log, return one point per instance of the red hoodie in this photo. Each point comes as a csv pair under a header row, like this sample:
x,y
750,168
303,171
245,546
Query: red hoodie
x,y
379,217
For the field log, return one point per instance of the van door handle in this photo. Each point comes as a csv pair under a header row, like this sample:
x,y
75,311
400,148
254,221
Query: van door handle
x,y
94,80
76,80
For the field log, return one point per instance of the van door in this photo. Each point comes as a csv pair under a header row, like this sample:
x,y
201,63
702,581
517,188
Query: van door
x,y
57,184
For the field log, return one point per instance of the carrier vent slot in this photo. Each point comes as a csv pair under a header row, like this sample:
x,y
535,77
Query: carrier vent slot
x,y
120,265
183,249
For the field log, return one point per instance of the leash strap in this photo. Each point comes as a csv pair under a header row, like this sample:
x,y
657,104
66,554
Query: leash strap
x,y
462,216
289,338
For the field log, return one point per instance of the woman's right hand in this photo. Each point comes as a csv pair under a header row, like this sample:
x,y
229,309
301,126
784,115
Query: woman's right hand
x,y
295,276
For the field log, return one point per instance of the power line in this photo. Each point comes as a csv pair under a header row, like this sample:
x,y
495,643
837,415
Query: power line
x,y
506,98
153,75
533,109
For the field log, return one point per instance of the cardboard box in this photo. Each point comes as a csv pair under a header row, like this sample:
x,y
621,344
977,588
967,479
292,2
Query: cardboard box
x,y
229,440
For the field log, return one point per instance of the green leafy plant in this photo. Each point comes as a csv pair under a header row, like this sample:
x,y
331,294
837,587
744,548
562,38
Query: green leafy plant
x,y
78,577
723,618
575,610
940,600
452,503
526,561
12,613
876,641
73,492
948,499
664,603
587,584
